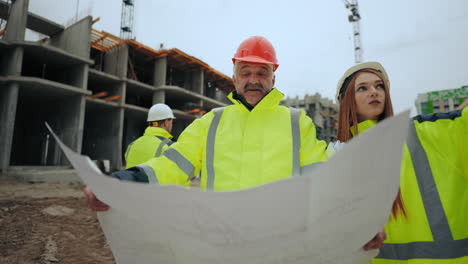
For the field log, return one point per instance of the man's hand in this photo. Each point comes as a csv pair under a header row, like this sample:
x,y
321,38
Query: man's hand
x,y
376,242
93,203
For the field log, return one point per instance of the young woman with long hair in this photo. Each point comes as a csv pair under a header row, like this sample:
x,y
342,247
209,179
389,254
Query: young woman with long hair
x,y
428,222
363,94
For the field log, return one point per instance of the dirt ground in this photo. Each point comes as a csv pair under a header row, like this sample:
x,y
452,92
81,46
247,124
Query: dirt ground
x,y
49,223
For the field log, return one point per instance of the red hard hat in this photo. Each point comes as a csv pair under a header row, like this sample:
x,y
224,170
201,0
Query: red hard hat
x,y
258,50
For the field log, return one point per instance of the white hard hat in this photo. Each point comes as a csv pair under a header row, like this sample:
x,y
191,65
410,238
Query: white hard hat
x,y
351,71
160,112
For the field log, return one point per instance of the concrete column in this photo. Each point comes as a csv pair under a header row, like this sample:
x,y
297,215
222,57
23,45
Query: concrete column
x,y
78,124
188,81
69,127
160,71
16,26
75,39
116,159
221,96
198,84
116,61
159,97
77,76
8,103
121,90
117,151
12,61
159,79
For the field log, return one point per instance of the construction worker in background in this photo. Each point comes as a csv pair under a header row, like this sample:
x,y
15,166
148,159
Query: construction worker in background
x,y
433,226
252,142
155,140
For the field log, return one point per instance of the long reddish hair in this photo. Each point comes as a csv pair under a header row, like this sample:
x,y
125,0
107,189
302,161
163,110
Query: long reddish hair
x,y
348,118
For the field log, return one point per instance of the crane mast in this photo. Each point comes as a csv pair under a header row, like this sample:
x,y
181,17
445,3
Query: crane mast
x,y
126,20
354,18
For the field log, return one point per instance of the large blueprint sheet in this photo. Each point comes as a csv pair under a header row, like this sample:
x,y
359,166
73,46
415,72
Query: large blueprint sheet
x,y
324,216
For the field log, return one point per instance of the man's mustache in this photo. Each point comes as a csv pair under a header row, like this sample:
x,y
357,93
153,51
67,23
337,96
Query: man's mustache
x,y
253,87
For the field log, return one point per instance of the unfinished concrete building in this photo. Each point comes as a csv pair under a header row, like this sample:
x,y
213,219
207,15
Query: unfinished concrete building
x,y
323,112
93,88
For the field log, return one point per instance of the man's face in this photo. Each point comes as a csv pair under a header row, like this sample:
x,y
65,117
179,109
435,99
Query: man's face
x,y
253,80
169,125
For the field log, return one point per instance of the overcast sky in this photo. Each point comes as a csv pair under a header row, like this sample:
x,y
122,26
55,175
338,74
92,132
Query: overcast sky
x,y
422,43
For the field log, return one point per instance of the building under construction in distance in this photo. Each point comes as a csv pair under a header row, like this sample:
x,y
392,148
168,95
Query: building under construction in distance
x,y
93,88
323,112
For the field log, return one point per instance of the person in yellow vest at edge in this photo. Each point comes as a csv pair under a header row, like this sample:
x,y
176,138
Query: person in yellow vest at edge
x,y
155,140
433,226
252,142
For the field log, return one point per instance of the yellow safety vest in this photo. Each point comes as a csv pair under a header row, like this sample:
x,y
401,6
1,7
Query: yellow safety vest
x,y
434,188
235,148
152,144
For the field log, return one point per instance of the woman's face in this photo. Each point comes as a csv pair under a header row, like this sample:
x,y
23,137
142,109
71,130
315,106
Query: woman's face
x,y
369,94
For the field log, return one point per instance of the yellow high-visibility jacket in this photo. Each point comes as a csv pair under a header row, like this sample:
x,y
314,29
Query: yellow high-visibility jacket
x,y
235,148
153,143
434,188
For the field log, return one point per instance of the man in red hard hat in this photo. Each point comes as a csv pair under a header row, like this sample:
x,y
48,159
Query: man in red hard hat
x,y
252,142
254,53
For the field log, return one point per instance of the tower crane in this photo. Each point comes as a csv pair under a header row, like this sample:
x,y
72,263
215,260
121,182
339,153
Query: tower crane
x,y
126,20
354,18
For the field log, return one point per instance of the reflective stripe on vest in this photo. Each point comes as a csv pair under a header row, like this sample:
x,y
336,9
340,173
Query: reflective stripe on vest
x,y
210,142
149,173
164,142
296,140
183,163
443,246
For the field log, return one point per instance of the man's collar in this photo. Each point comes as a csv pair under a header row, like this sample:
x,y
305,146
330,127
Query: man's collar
x,y
273,98
242,100
157,131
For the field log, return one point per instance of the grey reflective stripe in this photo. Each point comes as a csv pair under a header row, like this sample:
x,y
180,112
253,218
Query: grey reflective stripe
x,y
183,163
443,246
430,196
161,145
296,141
311,167
210,141
425,250
149,173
